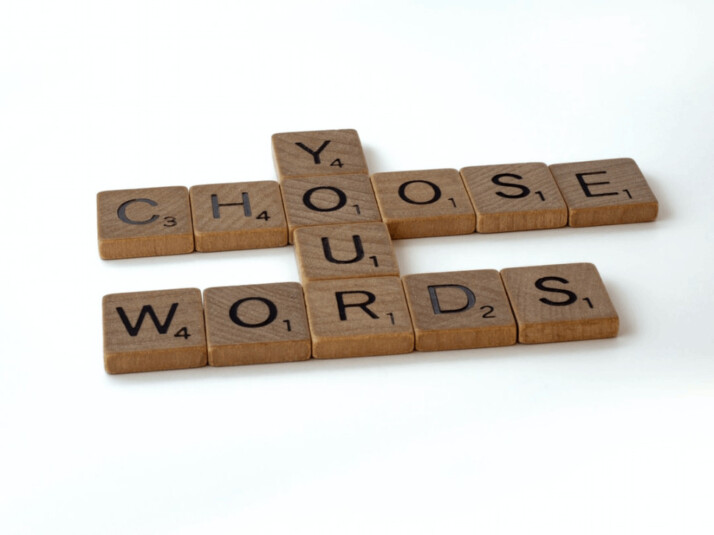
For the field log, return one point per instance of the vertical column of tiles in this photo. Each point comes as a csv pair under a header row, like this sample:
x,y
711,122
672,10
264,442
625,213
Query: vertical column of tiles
x,y
328,201
243,215
256,324
559,303
318,153
345,251
459,310
149,331
144,222
605,192
358,317
417,204
514,197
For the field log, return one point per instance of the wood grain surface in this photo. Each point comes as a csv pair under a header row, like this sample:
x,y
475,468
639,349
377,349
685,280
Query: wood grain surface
x,y
416,204
157,330
560,302
344,252
605,192
514,197
459,310
318,153
328,200
256,324
240,215
358,317
144,222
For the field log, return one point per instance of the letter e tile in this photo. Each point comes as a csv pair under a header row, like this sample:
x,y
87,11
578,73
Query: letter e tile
x,y
459,310
256,324
605,192
358,318
559,303
149,331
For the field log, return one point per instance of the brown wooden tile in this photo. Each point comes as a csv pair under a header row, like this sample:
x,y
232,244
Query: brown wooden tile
x,y
328,201
416,204
605,192
149,331
144,222
241,215
318,153
459,310
345,252
358,318
511,197
559,303
256,324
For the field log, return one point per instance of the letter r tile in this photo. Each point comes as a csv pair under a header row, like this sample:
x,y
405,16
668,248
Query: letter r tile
x,y
149,331
144,222
559,303
605,192
318,153
459,310
344,252
358,318
256,324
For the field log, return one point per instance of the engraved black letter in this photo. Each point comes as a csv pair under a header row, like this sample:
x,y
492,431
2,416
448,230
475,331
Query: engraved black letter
x,y
121,212
359,251
133,330
315,154
470,298
541,286
272,312
586,188
525,191
341,199
434,198
341,306
217,207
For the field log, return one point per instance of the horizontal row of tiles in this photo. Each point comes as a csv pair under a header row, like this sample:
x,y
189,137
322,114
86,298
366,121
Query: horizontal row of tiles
x,y
281,322
441,202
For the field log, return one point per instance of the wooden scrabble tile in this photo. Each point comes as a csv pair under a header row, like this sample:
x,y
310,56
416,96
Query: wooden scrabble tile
x,y
559,303
242,215
358,318
318,153
459,310
328,201
149,331
416,204
256,324
605,192
144,222
512,197
344,252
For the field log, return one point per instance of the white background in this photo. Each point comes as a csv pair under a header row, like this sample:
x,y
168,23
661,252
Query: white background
x,y
607,436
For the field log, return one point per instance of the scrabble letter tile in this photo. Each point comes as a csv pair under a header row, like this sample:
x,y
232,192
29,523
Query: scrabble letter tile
x,y
345,252
605,192
144,222
514,197
329,201
416,204
459,310
244,215
358,318
256,324
149,331
560,303
318,153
